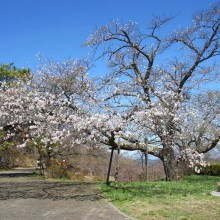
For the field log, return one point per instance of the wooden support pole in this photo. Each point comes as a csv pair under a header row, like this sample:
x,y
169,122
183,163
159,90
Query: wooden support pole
x,y
109,168
117,168
146,160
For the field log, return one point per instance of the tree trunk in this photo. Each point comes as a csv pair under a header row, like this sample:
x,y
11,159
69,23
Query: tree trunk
x,y
174,168
184,169
170,165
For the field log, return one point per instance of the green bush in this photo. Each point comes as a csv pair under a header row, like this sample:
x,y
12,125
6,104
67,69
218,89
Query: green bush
x,y
212,170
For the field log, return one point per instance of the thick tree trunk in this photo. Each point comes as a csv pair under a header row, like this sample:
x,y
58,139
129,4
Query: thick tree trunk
x,y
170,165
174,168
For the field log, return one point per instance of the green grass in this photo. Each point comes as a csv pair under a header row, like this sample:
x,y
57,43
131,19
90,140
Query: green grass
x,y
187,199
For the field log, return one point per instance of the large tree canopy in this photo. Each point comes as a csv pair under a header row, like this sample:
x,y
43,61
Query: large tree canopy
x,y
153,93
154,84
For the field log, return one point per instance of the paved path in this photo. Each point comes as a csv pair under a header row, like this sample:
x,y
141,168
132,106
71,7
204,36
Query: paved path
x,y
18,172
31,198
31,209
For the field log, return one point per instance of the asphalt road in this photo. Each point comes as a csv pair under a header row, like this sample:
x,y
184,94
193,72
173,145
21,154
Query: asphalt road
x,y
30,198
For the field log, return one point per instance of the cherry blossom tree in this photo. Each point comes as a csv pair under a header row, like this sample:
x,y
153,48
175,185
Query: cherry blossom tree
x,y
152,89
10,74
47,114
153,94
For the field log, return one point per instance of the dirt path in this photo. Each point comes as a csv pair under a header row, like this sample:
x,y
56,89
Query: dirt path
x,y
32,198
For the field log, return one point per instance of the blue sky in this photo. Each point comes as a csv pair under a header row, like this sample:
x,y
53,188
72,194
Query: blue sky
x,y
58,28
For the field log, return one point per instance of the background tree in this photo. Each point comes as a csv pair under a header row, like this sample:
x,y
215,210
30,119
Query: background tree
x,y
8,73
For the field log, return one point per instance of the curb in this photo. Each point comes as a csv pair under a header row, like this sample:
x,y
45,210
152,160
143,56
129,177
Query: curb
x,y
120,212
214,193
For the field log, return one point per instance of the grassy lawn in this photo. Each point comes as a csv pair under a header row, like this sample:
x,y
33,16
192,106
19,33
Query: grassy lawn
x,y
187,199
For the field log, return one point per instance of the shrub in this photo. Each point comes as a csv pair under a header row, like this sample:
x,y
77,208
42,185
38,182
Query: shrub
x,y
212,170
62,169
